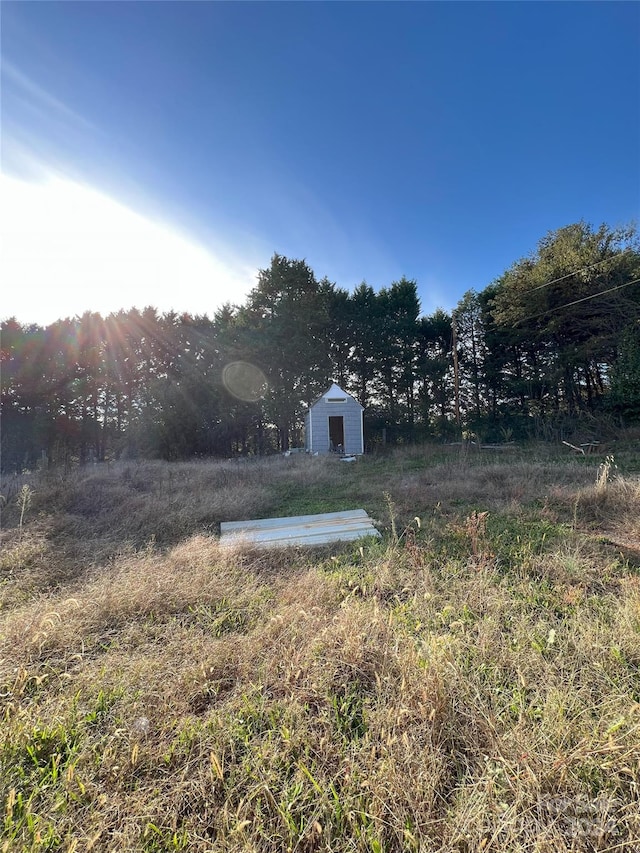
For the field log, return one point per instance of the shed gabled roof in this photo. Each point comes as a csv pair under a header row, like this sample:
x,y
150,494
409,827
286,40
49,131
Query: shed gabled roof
x,y
332,392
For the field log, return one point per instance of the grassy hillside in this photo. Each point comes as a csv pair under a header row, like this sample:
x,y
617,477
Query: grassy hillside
x,y
469,683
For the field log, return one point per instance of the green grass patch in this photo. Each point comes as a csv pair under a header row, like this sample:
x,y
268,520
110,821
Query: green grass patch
x,y
291,499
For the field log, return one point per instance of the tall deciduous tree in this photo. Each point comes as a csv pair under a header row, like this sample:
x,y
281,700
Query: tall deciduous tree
x,y
568,304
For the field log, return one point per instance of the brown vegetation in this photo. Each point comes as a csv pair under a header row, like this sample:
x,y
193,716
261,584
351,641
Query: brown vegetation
x,y
472,683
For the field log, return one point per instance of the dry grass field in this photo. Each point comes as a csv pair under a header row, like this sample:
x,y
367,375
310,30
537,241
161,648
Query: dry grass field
x,y
471,682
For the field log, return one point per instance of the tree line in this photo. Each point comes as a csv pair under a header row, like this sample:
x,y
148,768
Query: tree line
x,y
554,339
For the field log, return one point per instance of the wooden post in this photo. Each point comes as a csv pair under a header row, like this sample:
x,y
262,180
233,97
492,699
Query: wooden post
x,y
456,374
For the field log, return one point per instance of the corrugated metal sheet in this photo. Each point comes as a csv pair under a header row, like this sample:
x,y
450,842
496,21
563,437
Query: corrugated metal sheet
x,y
321,529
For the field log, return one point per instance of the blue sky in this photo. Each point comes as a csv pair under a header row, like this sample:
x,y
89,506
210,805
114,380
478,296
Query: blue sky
x,y
439,141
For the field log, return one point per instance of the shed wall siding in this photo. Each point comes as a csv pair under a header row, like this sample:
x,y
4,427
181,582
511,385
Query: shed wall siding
x,y
307,433
320,413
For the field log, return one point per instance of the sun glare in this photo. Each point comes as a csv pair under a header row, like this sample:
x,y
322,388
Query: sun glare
x,y
67,248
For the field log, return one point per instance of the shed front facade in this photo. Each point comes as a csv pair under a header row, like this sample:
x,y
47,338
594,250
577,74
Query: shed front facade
x,y
333,424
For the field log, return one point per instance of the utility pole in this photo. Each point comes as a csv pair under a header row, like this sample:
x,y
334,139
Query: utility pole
x,y
456,372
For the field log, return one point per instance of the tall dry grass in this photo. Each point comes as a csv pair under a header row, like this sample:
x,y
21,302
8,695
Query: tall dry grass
x,y
468,685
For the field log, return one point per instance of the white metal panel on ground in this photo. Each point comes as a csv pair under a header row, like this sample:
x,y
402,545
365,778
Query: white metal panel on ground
x,y
320,529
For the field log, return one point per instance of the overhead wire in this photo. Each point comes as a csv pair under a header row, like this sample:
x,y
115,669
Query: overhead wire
x,y
575,272
578,301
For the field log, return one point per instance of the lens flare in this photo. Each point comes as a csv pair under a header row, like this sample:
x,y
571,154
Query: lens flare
x,y
245,381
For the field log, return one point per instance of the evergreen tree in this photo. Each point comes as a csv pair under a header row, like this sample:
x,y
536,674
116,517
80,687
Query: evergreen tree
x,y
625,375
286,322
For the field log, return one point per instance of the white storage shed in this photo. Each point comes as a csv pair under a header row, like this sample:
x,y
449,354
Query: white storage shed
x,y
333,424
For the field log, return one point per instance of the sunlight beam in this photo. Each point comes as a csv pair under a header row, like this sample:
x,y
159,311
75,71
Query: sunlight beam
x,y
67,248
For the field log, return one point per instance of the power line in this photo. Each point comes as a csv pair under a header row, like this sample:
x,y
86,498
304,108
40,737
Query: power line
x,y
577,301
575,272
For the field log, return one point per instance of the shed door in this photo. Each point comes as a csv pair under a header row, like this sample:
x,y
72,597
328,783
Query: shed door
x,y
336,432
